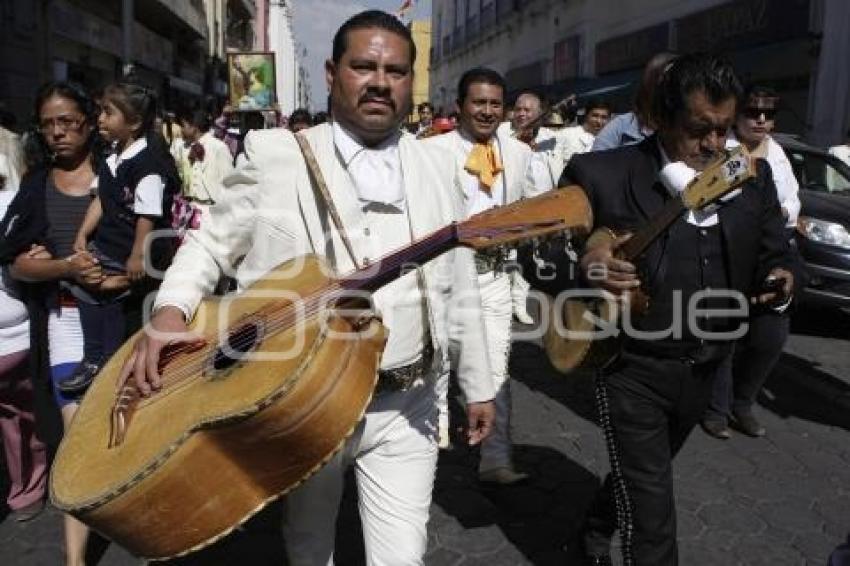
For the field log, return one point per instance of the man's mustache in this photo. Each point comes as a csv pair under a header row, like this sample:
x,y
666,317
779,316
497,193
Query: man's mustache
x,y
371,97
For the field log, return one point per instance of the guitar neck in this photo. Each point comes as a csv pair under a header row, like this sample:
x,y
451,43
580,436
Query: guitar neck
x,y
390,267
644,237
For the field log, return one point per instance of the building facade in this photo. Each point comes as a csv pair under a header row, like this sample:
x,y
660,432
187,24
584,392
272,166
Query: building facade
x,y
421,31
287,60
600,46
92,42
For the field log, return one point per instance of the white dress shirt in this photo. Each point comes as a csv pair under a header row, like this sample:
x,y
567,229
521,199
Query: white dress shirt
x,y
842,152
379,227
375,171
574,140
202,180
787,187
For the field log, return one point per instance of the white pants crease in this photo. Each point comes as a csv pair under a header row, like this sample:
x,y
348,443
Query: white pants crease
x,y
394,454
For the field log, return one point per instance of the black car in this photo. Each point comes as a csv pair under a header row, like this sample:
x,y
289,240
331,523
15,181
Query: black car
x,y
823,227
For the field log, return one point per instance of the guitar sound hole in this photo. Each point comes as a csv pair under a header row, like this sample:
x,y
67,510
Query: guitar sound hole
x,y
239,342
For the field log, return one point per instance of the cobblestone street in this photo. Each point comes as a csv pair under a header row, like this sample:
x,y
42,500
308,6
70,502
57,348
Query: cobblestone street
x,y
780,500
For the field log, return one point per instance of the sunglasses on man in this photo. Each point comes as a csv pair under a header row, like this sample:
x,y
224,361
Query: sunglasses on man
x,y
756,113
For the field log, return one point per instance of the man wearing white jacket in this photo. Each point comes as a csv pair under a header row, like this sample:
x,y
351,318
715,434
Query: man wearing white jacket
x,y
202,160
492,170
388,191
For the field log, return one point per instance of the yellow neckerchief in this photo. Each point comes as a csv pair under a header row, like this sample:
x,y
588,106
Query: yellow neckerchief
x,y
484,164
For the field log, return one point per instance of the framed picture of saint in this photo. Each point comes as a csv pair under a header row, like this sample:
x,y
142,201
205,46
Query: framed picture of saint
x,y
251,78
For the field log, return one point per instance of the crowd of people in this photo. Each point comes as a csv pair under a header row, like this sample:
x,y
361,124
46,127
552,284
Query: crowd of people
x,y
86,188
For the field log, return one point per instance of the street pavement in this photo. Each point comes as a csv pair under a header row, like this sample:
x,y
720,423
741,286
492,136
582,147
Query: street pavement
x,y
780,500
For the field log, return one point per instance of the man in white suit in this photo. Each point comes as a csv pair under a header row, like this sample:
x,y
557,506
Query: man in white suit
x,y
552,155
202,160
388,190
493,171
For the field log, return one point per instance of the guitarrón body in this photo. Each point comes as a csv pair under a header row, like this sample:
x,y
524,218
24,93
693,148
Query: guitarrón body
x,y
227,439
171,473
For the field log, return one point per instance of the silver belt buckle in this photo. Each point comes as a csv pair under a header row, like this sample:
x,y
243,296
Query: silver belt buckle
x,y
402,378
485,262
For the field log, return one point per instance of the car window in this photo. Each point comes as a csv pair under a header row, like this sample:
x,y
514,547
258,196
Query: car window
x,y
817,173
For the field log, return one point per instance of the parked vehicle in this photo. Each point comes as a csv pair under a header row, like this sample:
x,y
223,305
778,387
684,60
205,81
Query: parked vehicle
x,y
823,228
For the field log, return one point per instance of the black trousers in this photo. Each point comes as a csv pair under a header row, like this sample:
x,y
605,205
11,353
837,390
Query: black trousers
x,y
654,405
104,329
742,376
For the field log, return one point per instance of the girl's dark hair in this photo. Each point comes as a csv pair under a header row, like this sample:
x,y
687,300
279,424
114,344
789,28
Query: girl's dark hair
x,y
135,101
37,151
139,102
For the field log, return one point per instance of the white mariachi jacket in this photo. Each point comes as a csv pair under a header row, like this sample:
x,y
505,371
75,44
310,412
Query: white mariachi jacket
x,y
269,214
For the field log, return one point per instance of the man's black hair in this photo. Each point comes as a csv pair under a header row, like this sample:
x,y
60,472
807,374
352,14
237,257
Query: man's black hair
x,y
423,105
301,115
8,120
697,72
371,19
758,91
478,75
596,104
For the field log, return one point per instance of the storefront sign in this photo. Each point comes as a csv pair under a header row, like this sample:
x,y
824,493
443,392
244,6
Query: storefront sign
x,y
526,76
742,23
632,50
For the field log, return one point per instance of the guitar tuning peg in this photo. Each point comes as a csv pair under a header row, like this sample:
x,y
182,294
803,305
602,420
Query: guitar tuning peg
x,y
569,249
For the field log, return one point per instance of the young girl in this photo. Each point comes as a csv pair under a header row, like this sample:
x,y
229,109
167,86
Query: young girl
x,y
135,190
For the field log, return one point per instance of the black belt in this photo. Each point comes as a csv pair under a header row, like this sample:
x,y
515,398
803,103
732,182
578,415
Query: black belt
x,y
486,262
402,378
688,352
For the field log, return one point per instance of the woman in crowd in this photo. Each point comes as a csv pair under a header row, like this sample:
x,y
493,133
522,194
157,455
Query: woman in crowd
x,y
38,235
740,379
26,455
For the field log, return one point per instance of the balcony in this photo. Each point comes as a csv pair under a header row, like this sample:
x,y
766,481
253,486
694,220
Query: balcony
x,y
190,13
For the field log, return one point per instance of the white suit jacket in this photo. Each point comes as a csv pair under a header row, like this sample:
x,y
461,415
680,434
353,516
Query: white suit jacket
x,y
514,155
204,179
269,214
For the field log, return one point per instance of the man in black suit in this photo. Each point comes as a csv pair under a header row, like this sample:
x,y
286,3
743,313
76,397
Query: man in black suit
x,y
655,392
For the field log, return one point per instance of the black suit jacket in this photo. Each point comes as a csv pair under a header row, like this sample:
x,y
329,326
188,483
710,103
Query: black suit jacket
x,y
624,191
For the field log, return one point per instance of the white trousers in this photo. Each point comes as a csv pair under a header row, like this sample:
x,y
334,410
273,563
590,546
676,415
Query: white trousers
x,y
519,291
394,454
497,310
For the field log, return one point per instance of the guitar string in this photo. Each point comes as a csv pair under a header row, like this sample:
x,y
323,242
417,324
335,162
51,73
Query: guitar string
x,y
193,364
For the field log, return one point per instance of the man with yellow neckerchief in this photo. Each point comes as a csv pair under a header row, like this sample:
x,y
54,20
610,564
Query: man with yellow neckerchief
x,y
493,174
